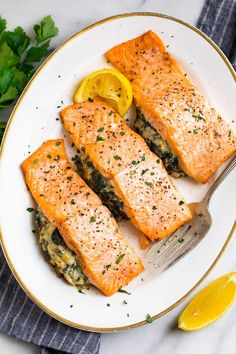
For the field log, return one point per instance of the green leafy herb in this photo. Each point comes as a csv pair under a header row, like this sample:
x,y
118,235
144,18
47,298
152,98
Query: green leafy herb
x,y
101,129
35,161
30,210
119,259
92,219
99,138
123,291
195,131
181,202
148,318
187,109
144,171
181,240
73,202
57,143
2,129
108,305
134,162
117,157
18,54
198,117
69,178
125,302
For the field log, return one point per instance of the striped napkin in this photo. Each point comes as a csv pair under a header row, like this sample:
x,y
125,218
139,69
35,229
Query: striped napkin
x,y
19,316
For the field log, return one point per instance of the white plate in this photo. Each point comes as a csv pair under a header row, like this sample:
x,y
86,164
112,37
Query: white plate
x,y
34,121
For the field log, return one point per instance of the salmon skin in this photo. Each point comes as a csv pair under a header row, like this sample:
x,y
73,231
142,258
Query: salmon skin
x,y
173,106
136,175
86,226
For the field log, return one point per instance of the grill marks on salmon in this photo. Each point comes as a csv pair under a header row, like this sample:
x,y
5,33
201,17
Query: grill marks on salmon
x,y
86,226
194,131
139,179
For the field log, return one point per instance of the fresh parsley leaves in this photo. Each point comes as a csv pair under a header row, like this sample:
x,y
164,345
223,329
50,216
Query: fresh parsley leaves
x,y
18,54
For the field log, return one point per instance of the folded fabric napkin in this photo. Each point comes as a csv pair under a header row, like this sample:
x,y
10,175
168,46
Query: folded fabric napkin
x,y
19,316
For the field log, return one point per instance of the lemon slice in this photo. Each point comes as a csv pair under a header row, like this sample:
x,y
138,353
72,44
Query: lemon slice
x,y
109,84
209,304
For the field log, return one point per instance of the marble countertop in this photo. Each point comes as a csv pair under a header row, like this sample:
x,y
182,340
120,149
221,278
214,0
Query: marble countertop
x,y
161,336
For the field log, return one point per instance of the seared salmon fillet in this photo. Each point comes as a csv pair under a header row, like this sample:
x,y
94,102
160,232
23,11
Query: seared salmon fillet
x,y
173,106
86,226
136,175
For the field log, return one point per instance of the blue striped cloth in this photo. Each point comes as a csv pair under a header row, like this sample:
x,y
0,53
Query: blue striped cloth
x,y
19,316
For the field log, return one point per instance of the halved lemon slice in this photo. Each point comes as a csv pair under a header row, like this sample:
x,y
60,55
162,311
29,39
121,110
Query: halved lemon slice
x,y
209,304
109,84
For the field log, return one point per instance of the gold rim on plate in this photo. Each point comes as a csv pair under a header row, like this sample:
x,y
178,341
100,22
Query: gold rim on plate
x,y
23,286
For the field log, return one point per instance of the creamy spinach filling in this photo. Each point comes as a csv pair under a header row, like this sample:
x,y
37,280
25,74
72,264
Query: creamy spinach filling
x,y
158,145
62,259
101,186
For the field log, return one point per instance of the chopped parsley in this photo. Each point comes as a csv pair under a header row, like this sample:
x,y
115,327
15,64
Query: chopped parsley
x,y
125,302
73,202
90,99
30,210
134,162
35,161
143,158
122,133
110,113
117,157
157,161
198,116
123,291
119,259
92,219
181,202
144,171
49,156
58,143
150,184
187,109
100,129
99,138
195,131
154,207
69,178
108,305
148,318
181,240
71,306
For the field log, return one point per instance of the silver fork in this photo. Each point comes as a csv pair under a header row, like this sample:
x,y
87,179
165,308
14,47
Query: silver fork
x,y
165,253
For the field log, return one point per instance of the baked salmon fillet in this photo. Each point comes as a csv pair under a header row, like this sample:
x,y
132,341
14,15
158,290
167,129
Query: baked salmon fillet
x,y
175,119
87,227
133,172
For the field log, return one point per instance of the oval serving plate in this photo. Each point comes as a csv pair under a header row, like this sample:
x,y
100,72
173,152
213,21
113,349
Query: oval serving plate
x,y
34,120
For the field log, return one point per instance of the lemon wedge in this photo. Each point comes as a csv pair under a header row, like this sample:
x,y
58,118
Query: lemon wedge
x,y
209,304
109,84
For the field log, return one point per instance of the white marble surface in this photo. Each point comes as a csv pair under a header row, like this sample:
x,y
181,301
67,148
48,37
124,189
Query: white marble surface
x,y
162,336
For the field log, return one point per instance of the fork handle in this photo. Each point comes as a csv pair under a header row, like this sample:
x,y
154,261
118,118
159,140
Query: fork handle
x,y
219,180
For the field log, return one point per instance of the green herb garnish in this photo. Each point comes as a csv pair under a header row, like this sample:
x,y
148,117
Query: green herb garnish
x,y
92,219
35,161
58,143
73,202
119,259
195,131
117,157
18,54
148,318
99,138
123,291
69,178
30,210
101,129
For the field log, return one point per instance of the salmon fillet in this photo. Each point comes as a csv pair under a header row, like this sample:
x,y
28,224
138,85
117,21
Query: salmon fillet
x,y
183,117
138,177
86,226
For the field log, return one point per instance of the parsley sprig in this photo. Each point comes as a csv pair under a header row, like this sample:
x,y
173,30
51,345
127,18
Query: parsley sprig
x,y
18,55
